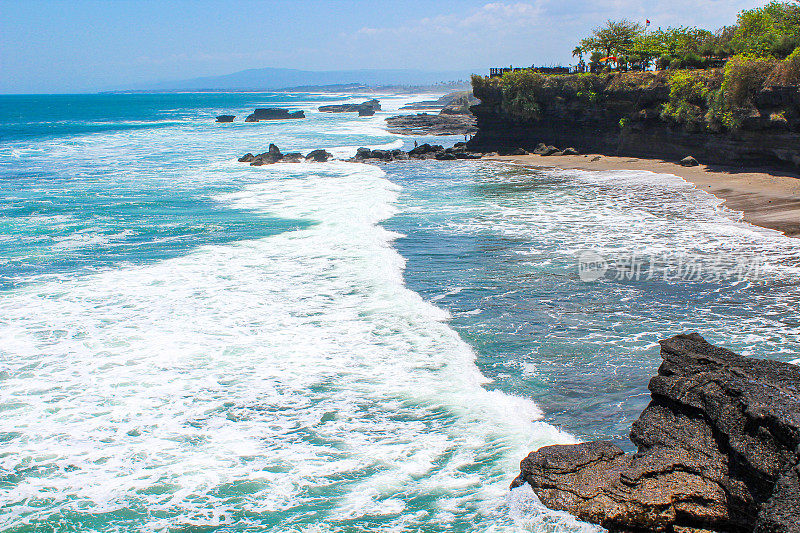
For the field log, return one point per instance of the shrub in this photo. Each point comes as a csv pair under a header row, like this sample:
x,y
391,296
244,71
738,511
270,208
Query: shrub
x,y
520,92
485,88
787,72
688,93
772,30
744,77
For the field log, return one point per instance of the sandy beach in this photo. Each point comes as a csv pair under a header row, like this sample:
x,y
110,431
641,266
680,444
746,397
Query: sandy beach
x,y
770,199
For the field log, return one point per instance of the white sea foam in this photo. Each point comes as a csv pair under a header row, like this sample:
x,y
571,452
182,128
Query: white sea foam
x,y
257,379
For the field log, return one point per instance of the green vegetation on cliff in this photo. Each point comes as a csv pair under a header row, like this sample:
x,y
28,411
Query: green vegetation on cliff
x,y
713,99
770,31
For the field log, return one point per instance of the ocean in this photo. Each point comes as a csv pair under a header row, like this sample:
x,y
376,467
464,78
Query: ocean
x,y
194,344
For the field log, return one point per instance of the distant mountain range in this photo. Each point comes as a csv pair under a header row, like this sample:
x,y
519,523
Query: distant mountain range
x,y
284,78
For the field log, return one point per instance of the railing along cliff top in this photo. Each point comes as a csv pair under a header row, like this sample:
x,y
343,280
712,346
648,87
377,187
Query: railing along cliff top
x,y
496,72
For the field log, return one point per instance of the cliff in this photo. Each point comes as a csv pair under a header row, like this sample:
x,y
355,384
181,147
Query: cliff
x,y
717,450
663,115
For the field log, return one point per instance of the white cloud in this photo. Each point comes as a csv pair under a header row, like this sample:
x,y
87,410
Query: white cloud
x,y
522,33
492,17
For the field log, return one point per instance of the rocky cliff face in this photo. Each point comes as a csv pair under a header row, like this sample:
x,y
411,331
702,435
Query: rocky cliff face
x,y
718,449
627,121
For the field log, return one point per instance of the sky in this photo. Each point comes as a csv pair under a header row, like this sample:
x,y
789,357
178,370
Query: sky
x,y
61,46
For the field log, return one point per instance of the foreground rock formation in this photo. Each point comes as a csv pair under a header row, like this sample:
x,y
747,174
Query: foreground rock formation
x,y
273,113
717,450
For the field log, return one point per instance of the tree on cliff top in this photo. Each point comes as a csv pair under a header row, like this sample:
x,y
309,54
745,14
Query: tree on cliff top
x,y
616,37
772,30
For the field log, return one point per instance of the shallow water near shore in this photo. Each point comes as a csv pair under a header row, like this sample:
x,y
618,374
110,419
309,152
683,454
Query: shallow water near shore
x,y
192,343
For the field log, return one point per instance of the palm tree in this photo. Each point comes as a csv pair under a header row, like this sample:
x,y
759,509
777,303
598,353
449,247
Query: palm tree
x,y
578,52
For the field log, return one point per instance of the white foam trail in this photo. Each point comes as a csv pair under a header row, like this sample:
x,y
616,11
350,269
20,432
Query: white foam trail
x,y
291,371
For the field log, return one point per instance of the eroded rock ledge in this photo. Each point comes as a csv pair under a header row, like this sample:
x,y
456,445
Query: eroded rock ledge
x,y
717,450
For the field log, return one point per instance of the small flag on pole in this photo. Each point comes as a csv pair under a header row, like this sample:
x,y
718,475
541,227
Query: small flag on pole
x,y
648,22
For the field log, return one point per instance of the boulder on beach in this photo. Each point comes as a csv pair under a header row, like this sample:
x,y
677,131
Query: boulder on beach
x,y
570,151
273,113
689,161
226,118
512,151
543,149
718,450
319,156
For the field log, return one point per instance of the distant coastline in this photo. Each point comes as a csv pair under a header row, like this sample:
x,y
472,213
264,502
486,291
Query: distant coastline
x,y
355,88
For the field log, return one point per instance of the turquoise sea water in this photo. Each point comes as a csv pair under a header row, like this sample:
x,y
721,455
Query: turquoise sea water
x,y
194,344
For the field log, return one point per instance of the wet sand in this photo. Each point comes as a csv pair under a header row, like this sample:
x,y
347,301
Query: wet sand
x,y
770,199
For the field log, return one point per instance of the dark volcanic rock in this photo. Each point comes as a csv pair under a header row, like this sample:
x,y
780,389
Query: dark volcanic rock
x,y
292,157
367,108
451,100
320,156
543,149
769,137
425,149
226,118
246,158
363,153
717,450
273,113
424,124
273,155
689,161
512,151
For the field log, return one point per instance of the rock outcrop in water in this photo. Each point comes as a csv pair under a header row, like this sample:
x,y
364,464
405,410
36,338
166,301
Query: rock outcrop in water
x,y
273,113
367,108
454,118
226,118
274,155
462,99
425,124
320,156
717,450
423,151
